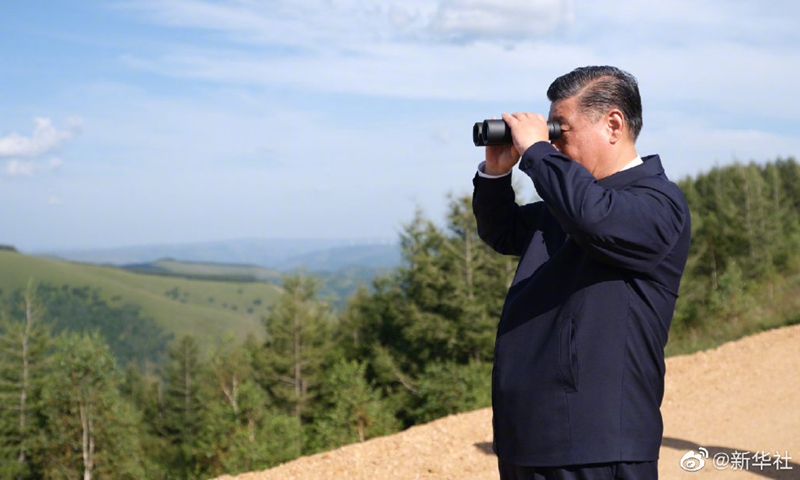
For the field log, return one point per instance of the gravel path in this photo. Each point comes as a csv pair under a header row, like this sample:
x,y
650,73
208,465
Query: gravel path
x,y
737,401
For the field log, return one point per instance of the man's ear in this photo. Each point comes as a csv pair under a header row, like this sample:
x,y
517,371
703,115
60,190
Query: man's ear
x,y
615,122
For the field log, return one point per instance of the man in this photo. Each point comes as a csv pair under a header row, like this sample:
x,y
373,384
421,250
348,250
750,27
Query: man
x,y
579,357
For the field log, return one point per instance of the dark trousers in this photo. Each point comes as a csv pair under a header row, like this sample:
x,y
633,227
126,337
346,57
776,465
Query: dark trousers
x,y
598,471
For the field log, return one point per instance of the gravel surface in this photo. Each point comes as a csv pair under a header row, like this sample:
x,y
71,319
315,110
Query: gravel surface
x,y
738,401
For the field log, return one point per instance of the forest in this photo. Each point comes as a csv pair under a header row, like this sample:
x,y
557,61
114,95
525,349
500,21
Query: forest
x,y
94,391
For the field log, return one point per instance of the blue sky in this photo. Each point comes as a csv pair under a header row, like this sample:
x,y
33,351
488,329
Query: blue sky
x,y
147,122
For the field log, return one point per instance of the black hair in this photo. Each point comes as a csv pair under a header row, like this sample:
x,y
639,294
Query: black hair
x,y
601,88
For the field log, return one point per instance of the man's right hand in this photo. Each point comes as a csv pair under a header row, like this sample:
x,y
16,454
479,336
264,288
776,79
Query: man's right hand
x,y
500,159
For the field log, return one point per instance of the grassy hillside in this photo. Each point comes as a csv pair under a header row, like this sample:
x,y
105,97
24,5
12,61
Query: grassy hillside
x,y
205,309
334,286
208,271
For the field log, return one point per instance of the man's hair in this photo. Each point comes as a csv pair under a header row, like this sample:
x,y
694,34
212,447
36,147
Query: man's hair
x,y
601,88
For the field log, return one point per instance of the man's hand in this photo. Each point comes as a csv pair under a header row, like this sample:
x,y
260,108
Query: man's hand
x,y
526,129
500,159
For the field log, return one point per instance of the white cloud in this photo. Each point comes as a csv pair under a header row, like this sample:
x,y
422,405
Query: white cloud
x,y
54,200
28,168
309,24
492,19
45,138
484,71
20,168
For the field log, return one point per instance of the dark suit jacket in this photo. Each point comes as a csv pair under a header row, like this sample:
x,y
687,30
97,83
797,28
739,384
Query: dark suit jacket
x,y
579,357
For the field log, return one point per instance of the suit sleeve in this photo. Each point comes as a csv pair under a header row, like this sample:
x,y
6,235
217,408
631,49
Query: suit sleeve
x,y
502,224
634,227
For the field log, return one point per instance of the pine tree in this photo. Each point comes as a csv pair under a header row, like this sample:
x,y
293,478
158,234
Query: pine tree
x,y
354,410
181,409
427,321
298,343
440,307
259,437
372,330
24,348
481,278
88,430
242,432
446,388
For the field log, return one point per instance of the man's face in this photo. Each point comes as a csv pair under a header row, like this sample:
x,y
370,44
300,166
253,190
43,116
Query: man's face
x,y
582,139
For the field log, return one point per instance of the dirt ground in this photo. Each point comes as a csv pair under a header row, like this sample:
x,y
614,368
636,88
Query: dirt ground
x,y
740,401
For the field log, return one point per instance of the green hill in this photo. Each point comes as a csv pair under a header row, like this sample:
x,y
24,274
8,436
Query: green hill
x,y
335,286
203,308
225,272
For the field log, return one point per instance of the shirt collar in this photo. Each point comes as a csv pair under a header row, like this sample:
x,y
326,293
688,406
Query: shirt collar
x,y
636,161
651,166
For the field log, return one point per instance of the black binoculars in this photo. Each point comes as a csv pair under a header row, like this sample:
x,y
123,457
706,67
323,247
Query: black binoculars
x,y
497,132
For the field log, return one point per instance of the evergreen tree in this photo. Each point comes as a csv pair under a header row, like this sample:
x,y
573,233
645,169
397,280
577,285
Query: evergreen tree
x,y
780,222
88,430
441,306
259,437
447,388
354,410
298,343
242,432
789,180
372,331
745,234
24,349
181,410
481,278
134,387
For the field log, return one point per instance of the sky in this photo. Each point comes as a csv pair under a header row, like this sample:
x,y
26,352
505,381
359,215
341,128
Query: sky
x,y
138,122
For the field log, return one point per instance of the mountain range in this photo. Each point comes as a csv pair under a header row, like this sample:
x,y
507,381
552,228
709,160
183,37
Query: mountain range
x,y
313,255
